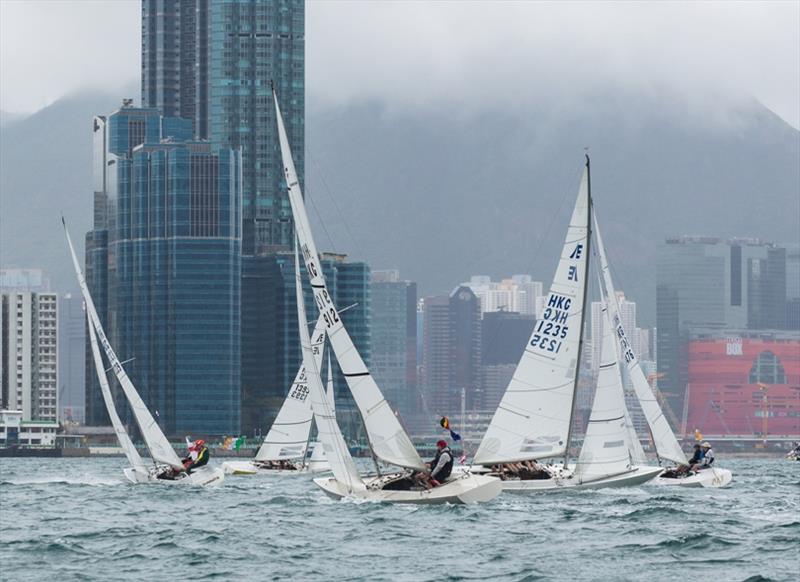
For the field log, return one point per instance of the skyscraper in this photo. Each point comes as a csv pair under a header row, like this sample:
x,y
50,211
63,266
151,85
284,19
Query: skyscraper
x,y
164,265
452,351
214,63
71,357
504,335
394,339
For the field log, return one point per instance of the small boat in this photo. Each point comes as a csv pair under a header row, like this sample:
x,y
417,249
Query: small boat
x,y
283,452
535,416
666,444
166,468
387,439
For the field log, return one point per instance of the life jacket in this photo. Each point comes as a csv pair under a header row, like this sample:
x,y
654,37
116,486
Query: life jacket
x,y
202,458
445,471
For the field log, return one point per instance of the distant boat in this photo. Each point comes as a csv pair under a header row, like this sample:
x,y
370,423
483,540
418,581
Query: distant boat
x,y
667,446
387,440
284,449
166,467
535,416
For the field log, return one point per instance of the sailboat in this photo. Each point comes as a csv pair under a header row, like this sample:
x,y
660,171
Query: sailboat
x,y
283,451
167,467
664,440
535,416
387,439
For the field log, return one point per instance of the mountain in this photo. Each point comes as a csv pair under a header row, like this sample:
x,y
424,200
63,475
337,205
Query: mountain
x,y
7,117
443,195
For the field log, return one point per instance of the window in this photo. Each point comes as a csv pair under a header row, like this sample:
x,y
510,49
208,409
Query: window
x,y
767,369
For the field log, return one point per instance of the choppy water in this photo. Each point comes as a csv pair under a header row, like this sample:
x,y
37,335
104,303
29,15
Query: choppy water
x,y
75,519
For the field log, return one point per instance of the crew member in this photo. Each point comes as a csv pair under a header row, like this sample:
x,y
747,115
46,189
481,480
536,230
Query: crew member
x,y
442,464
198,456
708,455
694,462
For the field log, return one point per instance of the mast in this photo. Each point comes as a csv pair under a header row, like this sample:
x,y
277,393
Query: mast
x,y
583,309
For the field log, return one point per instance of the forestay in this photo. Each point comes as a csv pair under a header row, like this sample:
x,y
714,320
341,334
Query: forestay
x,y
336,451
533,418
119,429
388,441
158,445
288,436
605,451
664,439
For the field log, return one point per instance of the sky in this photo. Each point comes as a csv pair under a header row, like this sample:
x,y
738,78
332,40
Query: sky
x,y
470,55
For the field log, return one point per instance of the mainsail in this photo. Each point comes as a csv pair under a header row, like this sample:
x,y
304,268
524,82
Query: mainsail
x,y
605,451
342,464
534,416
388,441
288,436
158,445
122,435
664,439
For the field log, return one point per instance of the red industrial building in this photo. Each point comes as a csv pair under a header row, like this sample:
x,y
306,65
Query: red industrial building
x,y
744,384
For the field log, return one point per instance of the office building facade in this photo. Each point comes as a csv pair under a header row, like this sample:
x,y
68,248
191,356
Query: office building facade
x,y
394,339
164,268
214,63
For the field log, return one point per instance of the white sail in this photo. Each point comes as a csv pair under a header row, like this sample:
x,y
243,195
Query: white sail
x,y
664,439
288,436
336,451
329,387
638,456
388,441
534,416
605,447
122,435
154,438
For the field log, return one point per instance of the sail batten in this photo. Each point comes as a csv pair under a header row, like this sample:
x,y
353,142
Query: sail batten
x,y
664,439
546,374
387,439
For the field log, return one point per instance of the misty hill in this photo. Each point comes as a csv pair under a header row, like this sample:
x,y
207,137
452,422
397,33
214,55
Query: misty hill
x,y
442,196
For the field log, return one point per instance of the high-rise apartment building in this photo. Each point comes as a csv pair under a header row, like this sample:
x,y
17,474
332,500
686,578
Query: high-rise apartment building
x,y
164,267
29,354
214,62
518,294
394,339
452,351
709,283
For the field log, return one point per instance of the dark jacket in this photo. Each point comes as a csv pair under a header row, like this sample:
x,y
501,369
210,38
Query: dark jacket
x,y
697,456
444,471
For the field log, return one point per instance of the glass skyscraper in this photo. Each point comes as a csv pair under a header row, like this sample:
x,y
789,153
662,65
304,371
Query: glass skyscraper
x,y
214,62
167,268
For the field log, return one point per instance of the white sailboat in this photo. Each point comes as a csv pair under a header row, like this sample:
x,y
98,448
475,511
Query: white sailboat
x,y
534,418
664,440
167,467
283,451
387,439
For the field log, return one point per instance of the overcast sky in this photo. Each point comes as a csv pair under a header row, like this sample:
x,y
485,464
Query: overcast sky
x,y
417,54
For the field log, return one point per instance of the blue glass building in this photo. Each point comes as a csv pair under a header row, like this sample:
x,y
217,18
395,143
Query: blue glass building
x,y
213,62
171,259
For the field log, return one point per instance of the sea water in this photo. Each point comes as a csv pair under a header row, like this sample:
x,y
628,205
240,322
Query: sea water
x,y
76,519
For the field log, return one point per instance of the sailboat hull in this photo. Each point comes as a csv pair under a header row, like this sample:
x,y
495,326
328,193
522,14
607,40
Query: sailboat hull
x,y
249,468
462,489
712,477
202,477
565,481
